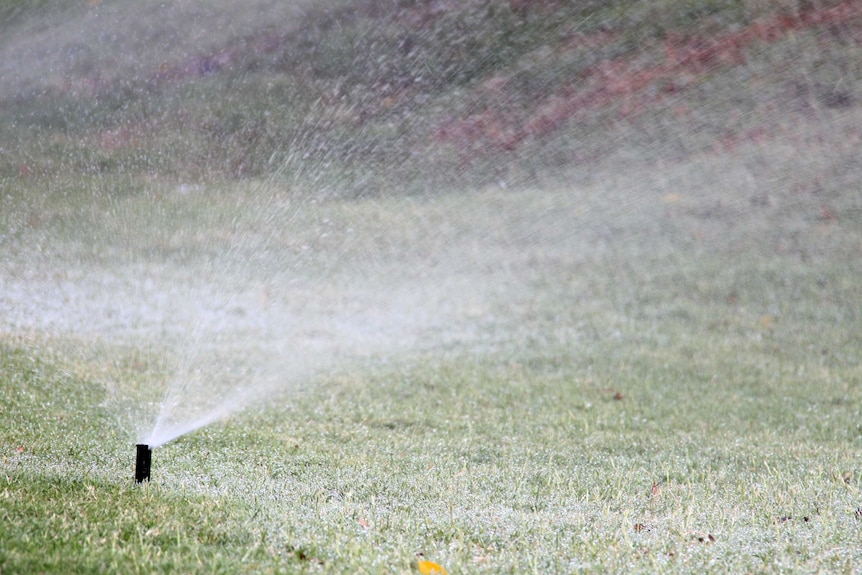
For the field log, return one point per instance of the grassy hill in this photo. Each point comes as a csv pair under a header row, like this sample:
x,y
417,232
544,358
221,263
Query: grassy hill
x,y
512,286
376,95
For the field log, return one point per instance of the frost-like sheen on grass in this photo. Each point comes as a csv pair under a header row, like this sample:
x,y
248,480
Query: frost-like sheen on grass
x,y
583,297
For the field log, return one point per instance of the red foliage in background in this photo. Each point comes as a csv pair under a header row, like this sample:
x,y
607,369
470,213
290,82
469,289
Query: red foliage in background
x,y
628,82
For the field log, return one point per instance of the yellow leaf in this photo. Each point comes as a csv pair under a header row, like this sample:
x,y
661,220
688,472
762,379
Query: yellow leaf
x,y
430,568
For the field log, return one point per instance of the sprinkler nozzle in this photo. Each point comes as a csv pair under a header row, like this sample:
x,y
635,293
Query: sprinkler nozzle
x,y
142,463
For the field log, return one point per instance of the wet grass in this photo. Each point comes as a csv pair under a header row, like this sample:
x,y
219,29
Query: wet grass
x,y
635,347
362,92
658,381
715,443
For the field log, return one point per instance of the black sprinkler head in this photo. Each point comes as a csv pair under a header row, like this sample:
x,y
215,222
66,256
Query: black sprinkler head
x,y
142,463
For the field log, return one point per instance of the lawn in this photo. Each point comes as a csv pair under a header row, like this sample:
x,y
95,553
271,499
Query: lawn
x,y
591,303
624,375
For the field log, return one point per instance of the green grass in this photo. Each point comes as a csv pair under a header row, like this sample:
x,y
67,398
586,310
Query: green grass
x,y
644,380
632,346
364,87
484,465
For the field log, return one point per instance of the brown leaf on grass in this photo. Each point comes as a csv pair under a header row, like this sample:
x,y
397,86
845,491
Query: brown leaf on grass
x,y
302,555
705,538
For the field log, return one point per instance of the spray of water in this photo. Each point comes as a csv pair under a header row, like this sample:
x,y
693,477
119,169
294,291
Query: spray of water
x,y
248,291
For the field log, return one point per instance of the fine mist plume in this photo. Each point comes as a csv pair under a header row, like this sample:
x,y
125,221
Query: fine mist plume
x,y
254,197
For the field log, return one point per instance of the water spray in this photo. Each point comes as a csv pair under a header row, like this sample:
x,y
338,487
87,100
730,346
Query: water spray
x,y
142,463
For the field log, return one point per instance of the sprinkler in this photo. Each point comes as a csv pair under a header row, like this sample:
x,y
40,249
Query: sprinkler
x,y
142,463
